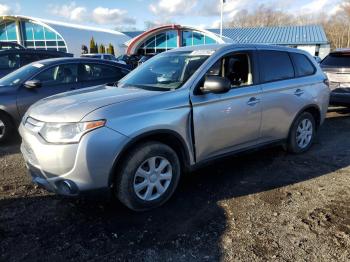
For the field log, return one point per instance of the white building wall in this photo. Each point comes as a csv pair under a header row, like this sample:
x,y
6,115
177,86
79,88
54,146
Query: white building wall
x,y
75,37
308,48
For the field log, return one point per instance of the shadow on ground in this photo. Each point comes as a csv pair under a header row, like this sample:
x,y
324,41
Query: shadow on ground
x,y
189,227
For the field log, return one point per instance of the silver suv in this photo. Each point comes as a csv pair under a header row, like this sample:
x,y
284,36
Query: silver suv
x,y
177,111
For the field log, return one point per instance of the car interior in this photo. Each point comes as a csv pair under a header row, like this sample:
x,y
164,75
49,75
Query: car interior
x,y
236,68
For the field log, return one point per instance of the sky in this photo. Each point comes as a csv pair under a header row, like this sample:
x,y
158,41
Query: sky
x,y
136,14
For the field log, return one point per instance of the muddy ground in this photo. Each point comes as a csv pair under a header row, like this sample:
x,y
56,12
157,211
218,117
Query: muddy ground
x,y
267,205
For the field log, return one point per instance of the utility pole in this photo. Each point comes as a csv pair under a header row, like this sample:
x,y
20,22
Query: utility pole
x,y
222,9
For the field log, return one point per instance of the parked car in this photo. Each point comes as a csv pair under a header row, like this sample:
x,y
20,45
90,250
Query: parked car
x,y
101,56
337,68
10,45
23,87
143,59
176,112
12,59
131,60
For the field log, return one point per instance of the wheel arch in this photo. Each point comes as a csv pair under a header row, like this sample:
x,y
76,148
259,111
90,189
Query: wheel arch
x,y
314,110
168,137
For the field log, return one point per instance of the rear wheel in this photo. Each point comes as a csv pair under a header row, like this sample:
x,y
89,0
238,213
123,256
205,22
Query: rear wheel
x,y
148,176
6,127
302,133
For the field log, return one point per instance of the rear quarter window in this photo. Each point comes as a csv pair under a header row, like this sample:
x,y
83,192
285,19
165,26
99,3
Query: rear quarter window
x,y
303,65
275,65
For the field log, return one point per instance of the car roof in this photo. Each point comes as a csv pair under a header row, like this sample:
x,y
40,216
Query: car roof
x,y
35,51
217,47
94,54
61,60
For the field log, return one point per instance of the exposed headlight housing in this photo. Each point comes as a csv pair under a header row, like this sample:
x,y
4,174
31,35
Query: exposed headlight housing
x,y
65,133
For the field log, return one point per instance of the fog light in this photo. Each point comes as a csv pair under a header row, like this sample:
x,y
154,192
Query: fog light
x,y
67,187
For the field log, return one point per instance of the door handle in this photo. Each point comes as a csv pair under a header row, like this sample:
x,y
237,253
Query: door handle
x,y
253,101
299,92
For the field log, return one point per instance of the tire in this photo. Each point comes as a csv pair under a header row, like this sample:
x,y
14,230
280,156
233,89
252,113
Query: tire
x,y
295,140
6,127
136,172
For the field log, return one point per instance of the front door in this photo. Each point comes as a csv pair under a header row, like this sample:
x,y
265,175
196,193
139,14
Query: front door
x,y
229,121
54,80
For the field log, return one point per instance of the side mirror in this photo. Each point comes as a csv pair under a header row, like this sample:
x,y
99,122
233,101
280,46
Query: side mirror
x,y
31,84
216,85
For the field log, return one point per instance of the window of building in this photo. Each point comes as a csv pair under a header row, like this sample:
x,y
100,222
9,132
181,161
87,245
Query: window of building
x,y
8,31
198,38
186,38
37,36
161,41
171,39
275,65
303,66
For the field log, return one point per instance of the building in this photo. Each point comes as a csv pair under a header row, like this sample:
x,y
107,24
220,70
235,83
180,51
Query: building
x,y
311,38
167,37
51,35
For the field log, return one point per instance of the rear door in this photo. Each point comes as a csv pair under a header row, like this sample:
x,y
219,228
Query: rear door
x,y
92,74
285,90
54,80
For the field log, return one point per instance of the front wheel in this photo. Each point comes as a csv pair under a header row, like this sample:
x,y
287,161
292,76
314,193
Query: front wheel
x,y
302,133
148,176
6,127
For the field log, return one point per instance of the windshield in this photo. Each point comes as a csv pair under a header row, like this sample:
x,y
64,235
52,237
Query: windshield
x,y
165,71
337,59
17,77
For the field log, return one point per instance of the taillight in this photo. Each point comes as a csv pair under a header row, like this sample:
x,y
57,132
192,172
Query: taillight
x,y
326,81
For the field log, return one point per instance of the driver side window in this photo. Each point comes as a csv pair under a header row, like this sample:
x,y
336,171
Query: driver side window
x,y
61,74
236,67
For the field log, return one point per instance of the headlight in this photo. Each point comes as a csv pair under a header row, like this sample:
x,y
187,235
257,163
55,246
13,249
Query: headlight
x,y
60,133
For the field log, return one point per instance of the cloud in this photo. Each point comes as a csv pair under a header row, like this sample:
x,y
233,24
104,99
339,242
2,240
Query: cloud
x,y
173,7
5,9
99,15
317,6
103,15
71,11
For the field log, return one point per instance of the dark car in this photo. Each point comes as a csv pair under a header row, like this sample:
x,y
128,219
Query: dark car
x,y
337,67
130,60
10,45
12,59
143,59
25,86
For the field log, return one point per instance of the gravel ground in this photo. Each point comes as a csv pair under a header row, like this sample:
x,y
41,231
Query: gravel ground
x,y
267,205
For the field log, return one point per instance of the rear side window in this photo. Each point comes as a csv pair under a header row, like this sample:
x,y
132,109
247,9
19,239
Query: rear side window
x,y
93,72
275,65
337,60
303,66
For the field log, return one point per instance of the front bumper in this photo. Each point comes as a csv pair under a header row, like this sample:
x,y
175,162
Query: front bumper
x,y
72,169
